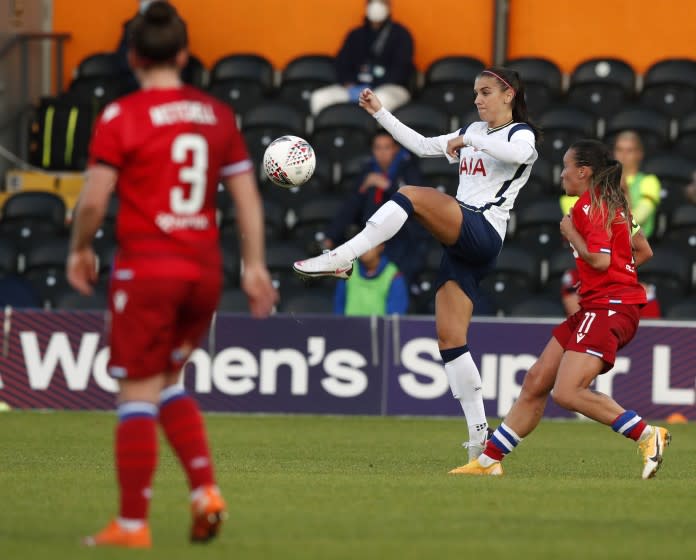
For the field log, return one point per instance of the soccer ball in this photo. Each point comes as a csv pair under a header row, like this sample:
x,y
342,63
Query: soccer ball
x,y
289,161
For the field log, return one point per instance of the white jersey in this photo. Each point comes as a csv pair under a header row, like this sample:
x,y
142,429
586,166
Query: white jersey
x,y
493,166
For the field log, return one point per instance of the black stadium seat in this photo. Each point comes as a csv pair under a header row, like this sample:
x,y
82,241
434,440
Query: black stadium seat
x,y
99,64
243,81
542,81
669,86
602,86
303,75
31,216
516,275
45,268
685,142
342,131
195,72
266,122
440,174
537,226
674,172
652,126
425,119
670,272
538,306
562,126
449,83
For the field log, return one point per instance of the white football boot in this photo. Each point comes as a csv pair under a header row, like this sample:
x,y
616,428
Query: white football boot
x,y
326,264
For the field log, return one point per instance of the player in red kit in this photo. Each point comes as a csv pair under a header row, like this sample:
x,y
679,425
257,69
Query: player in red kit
x,y
585,344
164,149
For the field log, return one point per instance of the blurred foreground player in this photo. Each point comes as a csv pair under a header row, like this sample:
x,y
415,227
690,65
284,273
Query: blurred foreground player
x,y
164,149
585,344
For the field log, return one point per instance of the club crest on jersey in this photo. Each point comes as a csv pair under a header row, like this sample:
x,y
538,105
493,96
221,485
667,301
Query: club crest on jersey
x,y
586,208
472,166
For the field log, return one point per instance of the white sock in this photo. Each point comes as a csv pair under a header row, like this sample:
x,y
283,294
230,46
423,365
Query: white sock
x,y
130,525
382,225
465,382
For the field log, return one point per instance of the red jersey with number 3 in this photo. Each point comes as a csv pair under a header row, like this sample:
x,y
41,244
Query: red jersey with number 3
x,y
170,148
619,283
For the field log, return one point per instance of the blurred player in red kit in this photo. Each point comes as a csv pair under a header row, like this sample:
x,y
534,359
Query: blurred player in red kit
x,y
585,344
164,149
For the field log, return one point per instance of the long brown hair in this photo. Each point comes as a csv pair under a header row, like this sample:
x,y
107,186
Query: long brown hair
x,y
510,79
606,181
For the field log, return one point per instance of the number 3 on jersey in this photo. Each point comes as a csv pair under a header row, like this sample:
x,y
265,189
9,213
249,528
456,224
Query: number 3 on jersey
x,y
195,174
584,327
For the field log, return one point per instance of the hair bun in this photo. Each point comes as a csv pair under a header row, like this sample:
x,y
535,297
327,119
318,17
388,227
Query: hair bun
x,y
159,12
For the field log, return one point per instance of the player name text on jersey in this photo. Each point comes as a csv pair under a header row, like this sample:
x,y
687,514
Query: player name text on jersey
x,y
182,111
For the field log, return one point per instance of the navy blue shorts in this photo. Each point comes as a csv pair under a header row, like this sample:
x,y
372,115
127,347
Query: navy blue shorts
x,y
472,256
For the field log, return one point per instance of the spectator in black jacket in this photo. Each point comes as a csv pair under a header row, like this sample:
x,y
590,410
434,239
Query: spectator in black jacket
x,y
378,55
389,168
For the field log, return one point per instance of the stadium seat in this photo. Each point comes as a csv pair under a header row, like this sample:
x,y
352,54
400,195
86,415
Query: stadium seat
x,y
440,174
233,301
195,72
468,117
99,64
45,268
250,67
684,310
559,262
669,86
342,131
537,226
670,272
28,216
311,300
350,169
17,291
602,86
681,232
685,143
674,172
279,258
652,126
74,301
516,275
539,186
538,307
562,126
449,83
274,217
266,122
98,91
542,81
302,76
425,119
8,257
314,216
243,81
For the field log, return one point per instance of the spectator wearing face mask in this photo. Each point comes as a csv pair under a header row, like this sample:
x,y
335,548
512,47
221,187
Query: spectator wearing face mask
x,y
378,55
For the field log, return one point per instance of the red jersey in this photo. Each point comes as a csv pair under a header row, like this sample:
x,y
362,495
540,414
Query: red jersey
x,y
170,147
619,283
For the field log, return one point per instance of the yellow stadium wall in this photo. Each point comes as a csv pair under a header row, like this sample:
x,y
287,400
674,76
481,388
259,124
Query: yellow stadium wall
x,y
281,30
568,31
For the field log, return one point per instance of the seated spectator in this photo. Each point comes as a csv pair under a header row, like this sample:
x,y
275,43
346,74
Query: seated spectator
x,y
570,299
642,190
378,54
376,287
389,168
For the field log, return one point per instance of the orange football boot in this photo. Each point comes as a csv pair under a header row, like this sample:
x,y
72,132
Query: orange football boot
x,y
115,535
208,510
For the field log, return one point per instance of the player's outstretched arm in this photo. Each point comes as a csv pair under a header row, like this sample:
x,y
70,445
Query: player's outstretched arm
x,y
256,281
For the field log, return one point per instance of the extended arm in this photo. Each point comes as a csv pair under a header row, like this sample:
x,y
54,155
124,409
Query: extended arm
x,y
410,139
520,149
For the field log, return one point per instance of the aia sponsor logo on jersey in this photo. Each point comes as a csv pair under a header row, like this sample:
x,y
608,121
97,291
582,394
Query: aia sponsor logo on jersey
x,y
472,166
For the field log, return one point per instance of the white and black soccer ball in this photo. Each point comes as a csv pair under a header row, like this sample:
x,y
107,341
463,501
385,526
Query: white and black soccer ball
x,y
289,161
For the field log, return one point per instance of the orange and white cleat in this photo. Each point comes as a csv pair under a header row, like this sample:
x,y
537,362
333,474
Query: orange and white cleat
x,y
208,510
115,535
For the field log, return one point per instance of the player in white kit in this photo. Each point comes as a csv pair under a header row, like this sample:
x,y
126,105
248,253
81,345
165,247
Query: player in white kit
x,y
495,157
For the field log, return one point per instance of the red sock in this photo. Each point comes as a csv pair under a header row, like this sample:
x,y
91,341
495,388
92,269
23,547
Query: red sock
x,y
493,452
183,424
136,460
637,430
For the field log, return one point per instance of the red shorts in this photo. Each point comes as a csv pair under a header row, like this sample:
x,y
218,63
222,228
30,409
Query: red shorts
x,y
151,319
599,331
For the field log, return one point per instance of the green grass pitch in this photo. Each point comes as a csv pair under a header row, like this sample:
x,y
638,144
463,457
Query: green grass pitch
x,y
355,488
